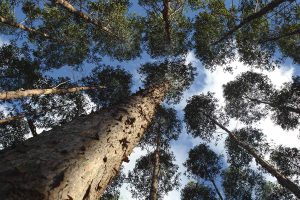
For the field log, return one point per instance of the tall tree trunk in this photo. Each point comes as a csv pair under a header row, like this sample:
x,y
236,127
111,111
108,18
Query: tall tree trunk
x,y
69,7
25,28
34,92
156,171
269,7
166,14
288,108
282,180
10,119
217,189
32,127
78,160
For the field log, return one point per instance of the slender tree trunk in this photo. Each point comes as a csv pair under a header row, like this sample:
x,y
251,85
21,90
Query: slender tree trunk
x,y
216,188
10,119
32,127
288,108
69,7
78,160
25,28
269,7
156,171
282,180
166,14
34,92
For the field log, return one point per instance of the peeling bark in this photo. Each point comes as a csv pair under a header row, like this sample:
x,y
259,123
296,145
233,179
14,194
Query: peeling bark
x,y
268,8
282,180
34,92
77,160
166,19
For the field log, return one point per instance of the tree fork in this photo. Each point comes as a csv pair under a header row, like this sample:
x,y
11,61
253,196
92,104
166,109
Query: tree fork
x,y
34,92
282,180
78,159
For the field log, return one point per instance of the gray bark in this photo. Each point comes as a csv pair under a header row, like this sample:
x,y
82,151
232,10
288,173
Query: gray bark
x,y
78,159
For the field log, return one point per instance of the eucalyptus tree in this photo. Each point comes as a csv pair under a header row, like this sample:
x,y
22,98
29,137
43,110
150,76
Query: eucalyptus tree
x,y
156,174
251,96
201,117
78,159
196,191
166,27
204,163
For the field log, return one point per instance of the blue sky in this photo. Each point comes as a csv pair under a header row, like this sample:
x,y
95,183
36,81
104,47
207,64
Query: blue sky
x,y
205,81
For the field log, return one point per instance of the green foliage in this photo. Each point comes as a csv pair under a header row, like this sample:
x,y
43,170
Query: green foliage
x,y
123,43
165,125
156,40
178,74
17,69
209,26
112,192
239,95
287,160
243,184
251,97
195,191
271,191
203,163
251,51
237,156
196,113
6,11
13,132
117,82
141,176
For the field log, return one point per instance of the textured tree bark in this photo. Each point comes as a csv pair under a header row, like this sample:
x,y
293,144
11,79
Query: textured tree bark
x,y
282,180
156,169
269,7
217,189
69,7
34,92
166,19
25,28
78,159
9,119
